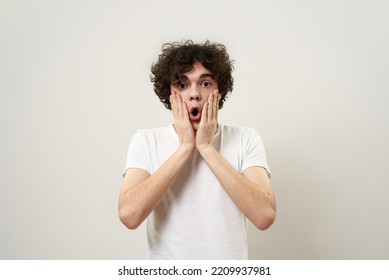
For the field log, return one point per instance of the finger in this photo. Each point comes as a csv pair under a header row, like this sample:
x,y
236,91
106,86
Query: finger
x,y
204,113
173,102
212,115
178,103
177,107
216,104
210,106
181,107
173,96
216,107
184,110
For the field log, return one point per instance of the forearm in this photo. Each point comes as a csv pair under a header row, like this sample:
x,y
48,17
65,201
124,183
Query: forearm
x,y
255,199
137,200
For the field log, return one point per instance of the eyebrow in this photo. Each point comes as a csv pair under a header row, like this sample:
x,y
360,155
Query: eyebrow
x,y
207,75
202,76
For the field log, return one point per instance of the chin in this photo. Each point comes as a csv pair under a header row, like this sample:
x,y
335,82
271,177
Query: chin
x,y
195,126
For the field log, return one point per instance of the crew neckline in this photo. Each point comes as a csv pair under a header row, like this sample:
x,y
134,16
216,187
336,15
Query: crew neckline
x,y
173,130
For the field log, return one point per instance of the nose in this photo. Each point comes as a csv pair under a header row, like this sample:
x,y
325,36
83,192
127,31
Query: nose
x,y
194,94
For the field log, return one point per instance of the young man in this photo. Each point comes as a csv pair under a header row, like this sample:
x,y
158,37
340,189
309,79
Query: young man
x,y
196,181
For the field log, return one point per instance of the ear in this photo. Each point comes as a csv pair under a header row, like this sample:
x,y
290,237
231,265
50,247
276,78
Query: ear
x,y
219,95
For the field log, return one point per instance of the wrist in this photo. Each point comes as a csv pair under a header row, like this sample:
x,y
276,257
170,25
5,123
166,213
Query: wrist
x,y
205,149
185,149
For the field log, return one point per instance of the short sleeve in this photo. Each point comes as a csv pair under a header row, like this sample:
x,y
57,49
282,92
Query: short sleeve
x,y
138,153
254,153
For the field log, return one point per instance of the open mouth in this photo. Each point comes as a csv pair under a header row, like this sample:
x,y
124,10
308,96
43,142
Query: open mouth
x,y
195,112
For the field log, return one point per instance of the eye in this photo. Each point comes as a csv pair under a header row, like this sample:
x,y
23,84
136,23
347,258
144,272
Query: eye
x,y
180,85
206,84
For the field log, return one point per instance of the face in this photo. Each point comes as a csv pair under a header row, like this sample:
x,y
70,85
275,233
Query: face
x,y
194,89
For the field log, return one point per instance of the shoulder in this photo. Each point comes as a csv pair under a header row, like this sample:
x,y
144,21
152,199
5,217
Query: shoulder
x,y
234,130
159,131
155,136
246,136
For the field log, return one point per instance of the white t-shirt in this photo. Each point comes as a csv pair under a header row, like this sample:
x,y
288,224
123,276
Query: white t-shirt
x,y
196,219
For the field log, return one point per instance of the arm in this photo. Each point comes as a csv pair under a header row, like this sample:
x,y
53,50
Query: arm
x,y
251,191
140,191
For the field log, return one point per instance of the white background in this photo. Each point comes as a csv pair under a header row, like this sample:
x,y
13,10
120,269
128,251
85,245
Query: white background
x,y
310,76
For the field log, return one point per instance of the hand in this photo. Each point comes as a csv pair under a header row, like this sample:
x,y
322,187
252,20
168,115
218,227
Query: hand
x,y
208,123
182,123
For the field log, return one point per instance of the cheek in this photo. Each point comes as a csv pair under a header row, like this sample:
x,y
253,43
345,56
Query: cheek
x,y
181,95
186,100
206,97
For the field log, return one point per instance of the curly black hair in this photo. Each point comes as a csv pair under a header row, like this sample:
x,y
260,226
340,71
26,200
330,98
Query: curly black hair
x,y
178,58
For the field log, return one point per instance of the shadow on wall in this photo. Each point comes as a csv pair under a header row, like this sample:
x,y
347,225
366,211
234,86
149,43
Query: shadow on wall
x,y
294,233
